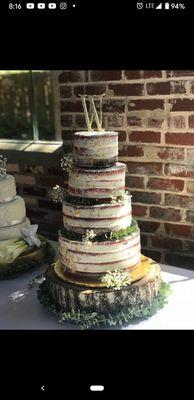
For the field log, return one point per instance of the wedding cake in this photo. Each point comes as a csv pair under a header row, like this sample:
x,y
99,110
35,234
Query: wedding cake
x,y
12,207
100,267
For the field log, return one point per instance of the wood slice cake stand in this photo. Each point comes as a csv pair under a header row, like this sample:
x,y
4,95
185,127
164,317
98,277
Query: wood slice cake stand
x,y
69,294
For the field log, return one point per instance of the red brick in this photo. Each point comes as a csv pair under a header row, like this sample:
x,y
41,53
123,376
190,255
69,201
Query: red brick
x,y
71,106
68,135
66,120
182,104
89,89
145,136
148,226
146,168
166,243
50,205
155,123
175,73
190,186
65,92
181,170
135,182
174,185
176,122
134,121
180,260
190,216
179,201
13,167
189,245
25,179
192,87
144,240
191,121
131,151
152,74
182,139
145,104
51,180
80,121
72,76
134,74
179,230
116,120
158,88
139,211
106,75
145,197
170,153
155,255
134,89
177,87
114,106
34,191
122,136
166,214
190,156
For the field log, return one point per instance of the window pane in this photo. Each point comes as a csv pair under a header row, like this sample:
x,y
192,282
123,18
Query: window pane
x,y
46,97
15,105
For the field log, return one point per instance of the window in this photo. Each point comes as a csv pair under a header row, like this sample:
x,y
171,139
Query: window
x,y
29,106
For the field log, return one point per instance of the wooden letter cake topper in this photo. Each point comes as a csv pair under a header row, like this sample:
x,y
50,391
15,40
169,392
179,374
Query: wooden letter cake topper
x,y
92,114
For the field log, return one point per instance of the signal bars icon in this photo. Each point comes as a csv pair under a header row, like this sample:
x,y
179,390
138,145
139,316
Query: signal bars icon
x,y
159,7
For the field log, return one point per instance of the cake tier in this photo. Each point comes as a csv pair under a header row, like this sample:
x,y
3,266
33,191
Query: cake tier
x,y
97,183
13,212
100,218
95,148
7,189
100,257
14,231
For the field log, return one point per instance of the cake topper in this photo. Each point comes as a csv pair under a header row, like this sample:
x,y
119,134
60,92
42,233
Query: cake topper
x,y
3,167
92,114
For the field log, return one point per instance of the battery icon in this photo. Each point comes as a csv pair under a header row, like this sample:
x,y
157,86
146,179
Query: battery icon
x,y
167,5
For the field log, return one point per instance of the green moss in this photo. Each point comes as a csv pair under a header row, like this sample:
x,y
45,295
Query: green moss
x,y
115,235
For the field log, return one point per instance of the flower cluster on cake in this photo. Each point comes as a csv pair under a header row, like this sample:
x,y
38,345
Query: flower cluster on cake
x,y
20,246
100,275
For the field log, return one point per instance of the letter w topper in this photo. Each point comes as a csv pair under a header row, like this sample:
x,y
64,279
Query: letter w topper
x,y
92,115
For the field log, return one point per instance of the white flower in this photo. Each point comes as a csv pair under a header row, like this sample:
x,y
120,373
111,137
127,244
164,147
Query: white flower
x,y
116,279
58,194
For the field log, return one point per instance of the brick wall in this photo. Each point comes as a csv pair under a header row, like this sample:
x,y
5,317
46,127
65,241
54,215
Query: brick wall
x,y
153,111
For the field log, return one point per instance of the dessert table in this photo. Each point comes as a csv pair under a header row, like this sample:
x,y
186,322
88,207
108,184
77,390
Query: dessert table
x,y
28,313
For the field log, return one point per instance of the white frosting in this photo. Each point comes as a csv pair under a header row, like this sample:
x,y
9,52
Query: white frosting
x,y
100,217
7,188
92,146
97,183
101,256
14,231
12,212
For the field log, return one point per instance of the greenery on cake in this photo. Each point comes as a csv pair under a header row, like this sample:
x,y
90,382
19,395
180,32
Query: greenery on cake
x,y
112,235
91,320
83,201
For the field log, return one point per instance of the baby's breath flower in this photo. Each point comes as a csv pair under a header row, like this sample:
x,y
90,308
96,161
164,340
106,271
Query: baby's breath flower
x,y
58,194
3,166
67,162
116,279
86,238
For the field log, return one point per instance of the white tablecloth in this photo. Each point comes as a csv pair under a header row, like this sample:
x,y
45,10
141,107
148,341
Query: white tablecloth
x,y
30,314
